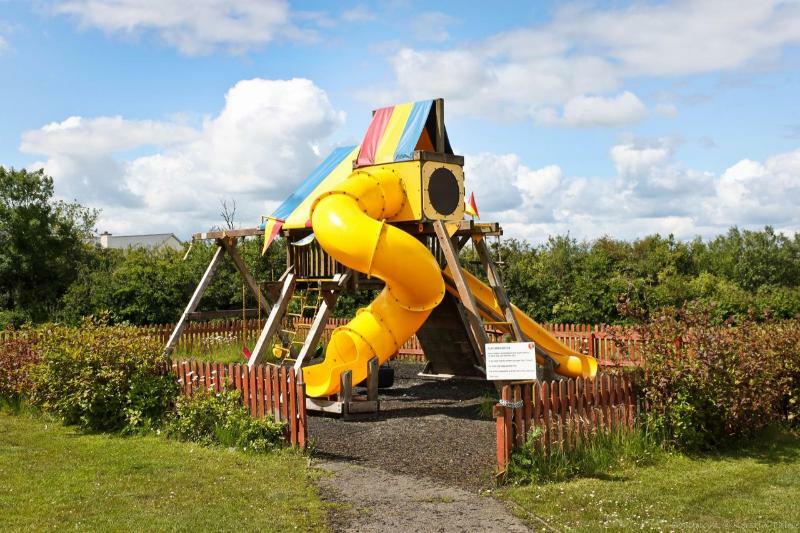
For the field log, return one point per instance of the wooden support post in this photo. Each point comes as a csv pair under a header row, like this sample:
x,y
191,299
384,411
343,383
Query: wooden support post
x,y
346,391
194,301
329,298
373,370
273,321
230,246
496,283
474,323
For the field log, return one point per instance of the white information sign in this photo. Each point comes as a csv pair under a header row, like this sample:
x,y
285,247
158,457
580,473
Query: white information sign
x,y
510,361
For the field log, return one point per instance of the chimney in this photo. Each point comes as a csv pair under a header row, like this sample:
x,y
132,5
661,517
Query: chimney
x,y
105,237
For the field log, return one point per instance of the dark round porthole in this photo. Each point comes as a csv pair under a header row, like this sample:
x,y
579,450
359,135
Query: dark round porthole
x,y
443,191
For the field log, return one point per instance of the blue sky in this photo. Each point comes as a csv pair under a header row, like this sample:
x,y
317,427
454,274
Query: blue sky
x,y
594,118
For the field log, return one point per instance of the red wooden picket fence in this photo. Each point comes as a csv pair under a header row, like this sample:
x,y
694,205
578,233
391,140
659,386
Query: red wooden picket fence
x,y
265,390
565,411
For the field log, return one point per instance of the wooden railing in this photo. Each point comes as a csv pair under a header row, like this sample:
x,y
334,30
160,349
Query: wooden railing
x,y
265,390
565,412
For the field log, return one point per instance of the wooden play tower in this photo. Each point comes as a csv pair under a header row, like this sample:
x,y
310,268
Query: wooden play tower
x,y
455,334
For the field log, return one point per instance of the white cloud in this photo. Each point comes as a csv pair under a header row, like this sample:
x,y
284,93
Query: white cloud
x,y
359,13
589,51
192,26
651,192
264,141
589,111
431,26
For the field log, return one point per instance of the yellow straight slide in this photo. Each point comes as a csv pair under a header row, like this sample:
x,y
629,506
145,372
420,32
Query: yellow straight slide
x,y
349,224
571,364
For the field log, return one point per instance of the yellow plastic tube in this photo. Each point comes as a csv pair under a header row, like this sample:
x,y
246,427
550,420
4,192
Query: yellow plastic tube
x,y
571,364
349,224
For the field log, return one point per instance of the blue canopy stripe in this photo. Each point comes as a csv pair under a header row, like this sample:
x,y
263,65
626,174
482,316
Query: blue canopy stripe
x,y
413,130
311,182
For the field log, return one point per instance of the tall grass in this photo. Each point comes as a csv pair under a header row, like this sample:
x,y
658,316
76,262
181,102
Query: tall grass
x,y
599,455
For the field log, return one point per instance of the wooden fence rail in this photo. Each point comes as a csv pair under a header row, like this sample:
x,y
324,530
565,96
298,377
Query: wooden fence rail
x,y
565,412
265,390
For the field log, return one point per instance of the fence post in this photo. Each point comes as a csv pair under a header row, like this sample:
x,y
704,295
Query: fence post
x,y
503,429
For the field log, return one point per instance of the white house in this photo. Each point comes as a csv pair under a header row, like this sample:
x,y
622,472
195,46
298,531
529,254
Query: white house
x,y
153,241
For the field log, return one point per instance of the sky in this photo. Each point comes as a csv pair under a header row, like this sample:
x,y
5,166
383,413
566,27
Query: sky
x,y
589,118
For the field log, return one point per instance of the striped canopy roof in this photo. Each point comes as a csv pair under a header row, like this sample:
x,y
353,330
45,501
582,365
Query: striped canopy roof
x,y
394,134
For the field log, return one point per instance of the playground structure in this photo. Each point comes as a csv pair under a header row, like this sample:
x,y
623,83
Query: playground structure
x,y
387,214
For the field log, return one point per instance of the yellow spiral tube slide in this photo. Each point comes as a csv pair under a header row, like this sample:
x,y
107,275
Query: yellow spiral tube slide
x,y
350,225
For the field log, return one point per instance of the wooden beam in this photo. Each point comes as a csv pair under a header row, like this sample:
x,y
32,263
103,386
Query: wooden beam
x,y
230,247
194,300
273,321
244,232
222,313
474,323
496,283
324,312
439,109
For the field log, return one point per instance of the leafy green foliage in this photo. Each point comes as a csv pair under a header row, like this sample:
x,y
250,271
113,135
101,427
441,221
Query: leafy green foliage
x,y
600,454
42,242
568,281
706,384
151,287
102,377
220,419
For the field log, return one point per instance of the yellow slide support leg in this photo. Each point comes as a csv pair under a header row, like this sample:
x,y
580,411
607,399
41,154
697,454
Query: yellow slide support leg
x,y
349,224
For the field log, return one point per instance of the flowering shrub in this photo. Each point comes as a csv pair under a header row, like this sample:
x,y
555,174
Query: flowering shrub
x,y
221,419
102,377
218,340
17,354
704,384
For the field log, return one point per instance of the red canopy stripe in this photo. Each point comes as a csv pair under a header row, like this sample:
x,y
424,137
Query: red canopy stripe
x,y
366,156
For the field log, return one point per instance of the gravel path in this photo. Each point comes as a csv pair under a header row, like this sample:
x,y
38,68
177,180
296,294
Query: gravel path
x,y
370,499
417,465
428,429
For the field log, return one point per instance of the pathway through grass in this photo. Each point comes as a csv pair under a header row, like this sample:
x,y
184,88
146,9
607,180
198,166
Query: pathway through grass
x,y
57,478
756,488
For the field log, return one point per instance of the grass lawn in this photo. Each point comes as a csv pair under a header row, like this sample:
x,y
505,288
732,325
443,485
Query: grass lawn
x,y
756,488
58,478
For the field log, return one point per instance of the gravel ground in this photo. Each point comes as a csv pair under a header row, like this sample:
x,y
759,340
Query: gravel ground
x,y
425,429
369,499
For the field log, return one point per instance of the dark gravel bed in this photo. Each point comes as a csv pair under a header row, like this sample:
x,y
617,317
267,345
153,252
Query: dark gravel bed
x,y
425,428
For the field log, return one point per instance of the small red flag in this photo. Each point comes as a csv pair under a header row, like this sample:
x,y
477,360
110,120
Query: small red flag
x,y
471,208
245,353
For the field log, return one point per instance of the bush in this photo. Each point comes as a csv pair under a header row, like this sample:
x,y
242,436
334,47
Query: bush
x,y
706,384
102,377
221,419
600,454
17,355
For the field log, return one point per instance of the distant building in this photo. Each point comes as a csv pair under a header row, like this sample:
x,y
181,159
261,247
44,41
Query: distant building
x,y
154,241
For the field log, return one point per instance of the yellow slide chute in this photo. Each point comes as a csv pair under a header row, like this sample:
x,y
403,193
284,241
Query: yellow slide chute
x,y
349,224
571,363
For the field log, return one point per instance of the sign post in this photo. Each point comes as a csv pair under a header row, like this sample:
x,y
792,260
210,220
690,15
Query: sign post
x,y
511,361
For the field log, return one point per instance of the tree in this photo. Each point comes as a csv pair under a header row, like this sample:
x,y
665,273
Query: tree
x,y
43,242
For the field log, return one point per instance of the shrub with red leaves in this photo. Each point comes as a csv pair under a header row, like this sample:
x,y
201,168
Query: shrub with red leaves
x,y
705,384
17,354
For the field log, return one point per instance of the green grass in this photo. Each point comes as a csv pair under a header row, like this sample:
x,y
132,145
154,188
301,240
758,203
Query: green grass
x,y
55,477
230,353
757,487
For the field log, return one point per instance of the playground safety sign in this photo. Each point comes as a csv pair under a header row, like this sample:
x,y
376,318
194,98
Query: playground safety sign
x,y
510,361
